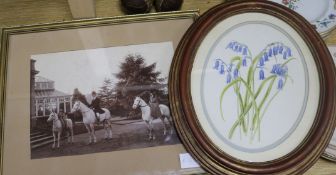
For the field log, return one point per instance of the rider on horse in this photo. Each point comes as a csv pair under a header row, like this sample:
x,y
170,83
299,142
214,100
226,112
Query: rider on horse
x,y
62,117
154,105
95,105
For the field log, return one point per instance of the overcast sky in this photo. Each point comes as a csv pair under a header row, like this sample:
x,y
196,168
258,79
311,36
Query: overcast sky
x,y
86,69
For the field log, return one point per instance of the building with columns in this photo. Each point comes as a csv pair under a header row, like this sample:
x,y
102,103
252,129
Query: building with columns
x,y
47,98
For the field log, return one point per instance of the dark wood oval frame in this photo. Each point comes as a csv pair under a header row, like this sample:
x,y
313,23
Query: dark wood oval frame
x,y
194,137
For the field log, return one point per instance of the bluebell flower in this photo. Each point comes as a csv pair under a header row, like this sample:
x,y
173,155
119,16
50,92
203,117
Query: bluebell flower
x,y
261,74
245,51
222,69
275,50
281,72
289,52
280,84
284,56
228,78
230,45
236,48
235,73
261,62
274,68
266,57
332,16
281,49
240,49
216,66
244,61
270,52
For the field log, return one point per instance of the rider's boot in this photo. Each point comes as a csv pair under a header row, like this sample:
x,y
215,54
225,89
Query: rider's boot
x,y
97,117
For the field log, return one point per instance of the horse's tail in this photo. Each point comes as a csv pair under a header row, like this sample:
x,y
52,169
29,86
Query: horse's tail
x,y
164,110
69,122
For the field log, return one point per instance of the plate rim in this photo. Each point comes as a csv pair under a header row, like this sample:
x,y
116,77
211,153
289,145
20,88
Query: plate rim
x,y
323,33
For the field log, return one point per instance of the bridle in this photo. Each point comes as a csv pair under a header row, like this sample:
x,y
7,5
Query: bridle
x,y
54,118
78,108
139,100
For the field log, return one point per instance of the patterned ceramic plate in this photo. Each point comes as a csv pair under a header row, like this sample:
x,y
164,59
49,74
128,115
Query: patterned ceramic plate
x,y
321,13
330,152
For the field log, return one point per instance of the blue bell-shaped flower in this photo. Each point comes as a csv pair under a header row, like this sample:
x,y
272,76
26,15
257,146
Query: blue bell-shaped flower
x,y
235,73
228,78
280,84
270,52
261,74
275,50
261,62
289,52
281,49
244,61
284,56
266,56
222,69
245,51
216,66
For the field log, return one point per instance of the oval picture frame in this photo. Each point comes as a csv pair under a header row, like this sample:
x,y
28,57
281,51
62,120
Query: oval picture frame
x,y
251,85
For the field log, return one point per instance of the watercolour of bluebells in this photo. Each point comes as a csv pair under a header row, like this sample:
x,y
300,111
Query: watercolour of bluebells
x,y
253,97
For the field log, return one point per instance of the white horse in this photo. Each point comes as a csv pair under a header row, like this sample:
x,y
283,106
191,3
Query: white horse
x,y
148,118
89,119
57,128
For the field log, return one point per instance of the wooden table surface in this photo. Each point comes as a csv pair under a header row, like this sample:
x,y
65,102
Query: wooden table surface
x,y
23,12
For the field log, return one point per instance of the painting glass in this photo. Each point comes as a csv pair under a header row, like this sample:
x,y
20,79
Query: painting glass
x,y
255,86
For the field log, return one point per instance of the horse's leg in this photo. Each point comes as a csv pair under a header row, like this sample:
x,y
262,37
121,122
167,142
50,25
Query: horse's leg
x,y
164,125
171,125
105,128
149,130
68,135
71,133
89,132
110,127
53,146
151,125
70,128
58,138
93,133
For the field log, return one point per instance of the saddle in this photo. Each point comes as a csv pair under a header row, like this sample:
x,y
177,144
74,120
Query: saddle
x,y
97,113
155,110
64,125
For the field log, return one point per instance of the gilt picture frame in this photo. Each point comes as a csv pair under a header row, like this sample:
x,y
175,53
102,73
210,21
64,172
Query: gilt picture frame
x,y
252,85
36,64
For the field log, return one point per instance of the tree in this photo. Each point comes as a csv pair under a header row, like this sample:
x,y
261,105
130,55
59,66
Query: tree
x,y
136,76
106,93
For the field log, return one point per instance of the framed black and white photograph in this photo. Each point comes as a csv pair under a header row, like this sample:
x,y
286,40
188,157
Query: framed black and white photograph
x,y
110,97
90,96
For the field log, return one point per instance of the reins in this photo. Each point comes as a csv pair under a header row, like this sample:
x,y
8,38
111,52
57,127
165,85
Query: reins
x,y
140,105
